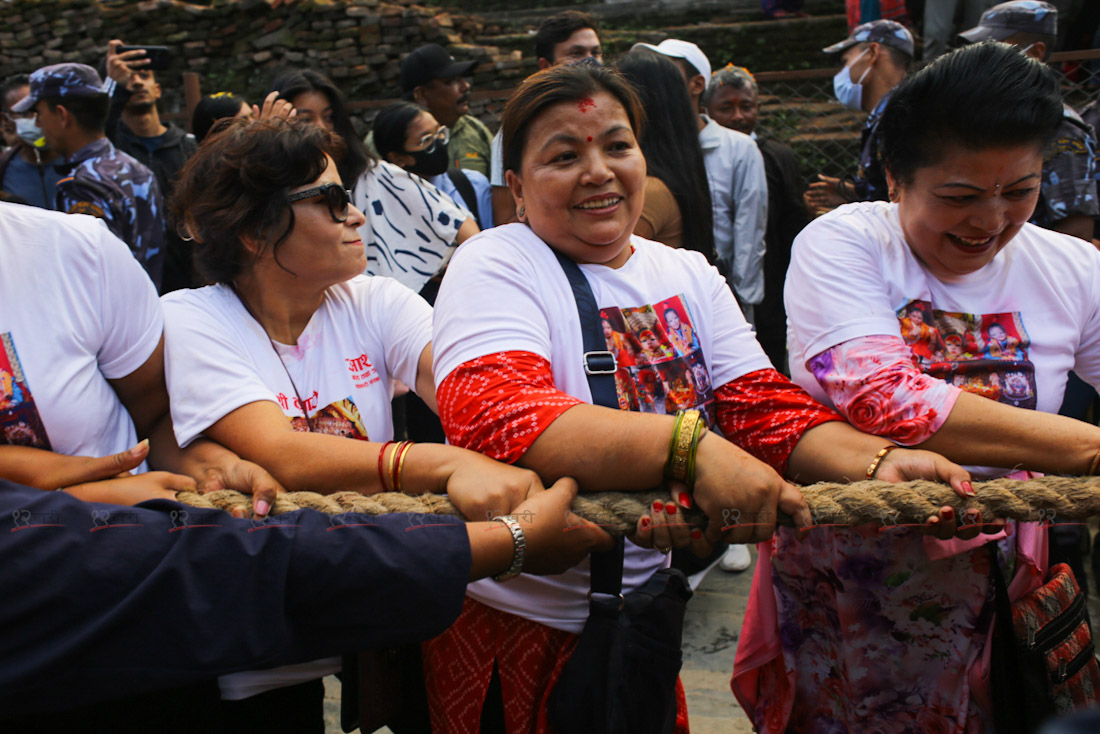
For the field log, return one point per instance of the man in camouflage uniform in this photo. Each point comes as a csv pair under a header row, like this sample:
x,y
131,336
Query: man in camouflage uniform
x,y
877,56
434,80
71,109
1068,202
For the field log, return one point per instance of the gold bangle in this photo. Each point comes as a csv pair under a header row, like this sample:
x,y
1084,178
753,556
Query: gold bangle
x,y
391,466
402,450
685,439
700,431
873,468
1095,464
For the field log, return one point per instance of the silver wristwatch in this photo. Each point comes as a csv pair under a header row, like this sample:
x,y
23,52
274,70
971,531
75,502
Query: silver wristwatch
x,y
519,542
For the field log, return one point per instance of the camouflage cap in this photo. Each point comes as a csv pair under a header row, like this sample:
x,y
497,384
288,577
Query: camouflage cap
x,y
886,32
60,80
1008,19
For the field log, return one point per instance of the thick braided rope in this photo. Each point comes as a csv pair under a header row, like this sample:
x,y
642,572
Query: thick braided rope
x,y
1044,499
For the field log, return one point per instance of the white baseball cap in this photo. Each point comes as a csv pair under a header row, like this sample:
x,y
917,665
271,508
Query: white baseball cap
x,y
676,49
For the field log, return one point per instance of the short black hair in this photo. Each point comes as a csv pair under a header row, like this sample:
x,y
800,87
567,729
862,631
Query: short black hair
x,y
983,96
391,126
559,27
12,82
90,112
210,109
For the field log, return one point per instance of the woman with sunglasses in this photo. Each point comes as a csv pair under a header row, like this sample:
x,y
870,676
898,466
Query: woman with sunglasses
x,y
407,135
294,351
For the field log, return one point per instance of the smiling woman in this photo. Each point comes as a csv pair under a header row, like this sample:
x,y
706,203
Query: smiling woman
x,y
941,320
291,356
513,385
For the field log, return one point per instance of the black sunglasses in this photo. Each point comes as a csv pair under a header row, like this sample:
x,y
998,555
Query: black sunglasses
x,y
336,196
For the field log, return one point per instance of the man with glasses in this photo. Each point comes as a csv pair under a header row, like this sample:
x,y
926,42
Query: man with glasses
x,y
434,80
26,172
70,107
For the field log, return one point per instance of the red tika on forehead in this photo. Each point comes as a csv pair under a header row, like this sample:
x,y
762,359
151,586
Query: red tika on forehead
x,y
586,104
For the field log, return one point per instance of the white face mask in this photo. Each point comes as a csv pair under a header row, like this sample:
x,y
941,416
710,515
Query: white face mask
x,y
27,131
849,93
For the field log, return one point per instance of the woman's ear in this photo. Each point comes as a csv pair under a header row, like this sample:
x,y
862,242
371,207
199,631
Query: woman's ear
x,y
893,188
252,245
400,160
515,185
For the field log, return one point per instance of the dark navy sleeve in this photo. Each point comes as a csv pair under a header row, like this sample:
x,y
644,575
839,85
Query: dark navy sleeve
x,y
102,601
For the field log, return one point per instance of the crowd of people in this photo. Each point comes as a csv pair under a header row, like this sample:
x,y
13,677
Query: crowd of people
x,y
257,292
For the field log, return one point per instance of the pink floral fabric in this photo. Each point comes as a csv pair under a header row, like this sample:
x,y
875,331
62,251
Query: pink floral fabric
x,y
875,383
877,628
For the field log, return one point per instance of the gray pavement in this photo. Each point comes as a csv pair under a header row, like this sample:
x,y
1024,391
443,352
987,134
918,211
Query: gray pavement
x,y
711,629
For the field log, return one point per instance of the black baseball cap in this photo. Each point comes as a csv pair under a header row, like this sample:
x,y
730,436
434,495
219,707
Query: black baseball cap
x,y
431,62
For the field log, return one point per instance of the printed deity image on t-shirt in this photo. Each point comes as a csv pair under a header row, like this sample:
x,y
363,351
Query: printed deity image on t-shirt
x,y
660,364
986,354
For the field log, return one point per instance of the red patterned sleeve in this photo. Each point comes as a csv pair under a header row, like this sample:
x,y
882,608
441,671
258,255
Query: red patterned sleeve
x,y
499,404
766,414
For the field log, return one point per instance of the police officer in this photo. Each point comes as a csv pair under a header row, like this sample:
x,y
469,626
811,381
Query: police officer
x,y
1068,202
874,59
70,107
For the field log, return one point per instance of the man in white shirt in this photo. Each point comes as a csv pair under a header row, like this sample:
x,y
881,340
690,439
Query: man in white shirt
x,y
738,185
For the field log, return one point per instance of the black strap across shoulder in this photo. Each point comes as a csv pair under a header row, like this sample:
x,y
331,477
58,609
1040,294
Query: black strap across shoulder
x,y
466,189
599,366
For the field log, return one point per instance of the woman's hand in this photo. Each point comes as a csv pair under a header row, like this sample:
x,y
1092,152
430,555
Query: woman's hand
x,y
663,527
904,465
273,107
742,495
247,478
481,488
556,538
48,470
130,490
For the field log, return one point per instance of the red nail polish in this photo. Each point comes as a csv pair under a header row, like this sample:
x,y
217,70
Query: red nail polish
x,y
658,505
968,488
949,513
697,534
670,509
685,500
645,522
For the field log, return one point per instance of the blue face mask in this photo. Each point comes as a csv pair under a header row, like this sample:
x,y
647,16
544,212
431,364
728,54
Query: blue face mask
x,y
849,93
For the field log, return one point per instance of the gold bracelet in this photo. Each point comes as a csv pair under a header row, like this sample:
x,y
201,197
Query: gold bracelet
x,y
392,465
676,467
1095,464
700,431
402,450
878,459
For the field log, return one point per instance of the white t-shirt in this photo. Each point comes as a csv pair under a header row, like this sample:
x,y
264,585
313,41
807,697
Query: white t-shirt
x,y
218,358
505,291
853,275
411,225
76,310
367,331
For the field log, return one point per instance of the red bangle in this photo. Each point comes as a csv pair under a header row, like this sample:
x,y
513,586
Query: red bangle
x,y
381,454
